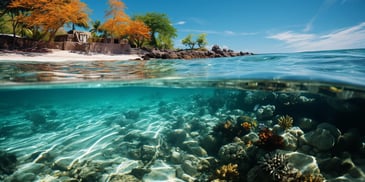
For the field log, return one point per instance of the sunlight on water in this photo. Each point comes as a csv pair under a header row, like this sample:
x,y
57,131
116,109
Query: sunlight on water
x,y
257,118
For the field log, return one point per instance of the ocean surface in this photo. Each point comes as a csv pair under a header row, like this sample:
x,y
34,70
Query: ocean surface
x,y
266,117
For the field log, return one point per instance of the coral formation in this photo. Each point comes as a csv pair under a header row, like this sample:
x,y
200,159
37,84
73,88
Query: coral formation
x,y
226,130
232,152
227,172
278,167
247,126
265,112
285,122
246,122
270,141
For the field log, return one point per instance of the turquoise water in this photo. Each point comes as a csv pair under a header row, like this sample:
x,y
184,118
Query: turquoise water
x,y
185,120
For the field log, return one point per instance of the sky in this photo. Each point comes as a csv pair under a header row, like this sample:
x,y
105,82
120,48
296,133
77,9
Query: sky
x,y
258,26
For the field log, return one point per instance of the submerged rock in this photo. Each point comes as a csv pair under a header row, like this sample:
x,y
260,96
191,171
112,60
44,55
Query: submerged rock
x,y
176,137
306,164
323,138
265,112
124,177
233,152
36,117
7,162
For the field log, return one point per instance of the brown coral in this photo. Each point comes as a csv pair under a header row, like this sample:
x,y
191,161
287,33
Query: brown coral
x,y
285,122
227,172
270,141
225,129
311,178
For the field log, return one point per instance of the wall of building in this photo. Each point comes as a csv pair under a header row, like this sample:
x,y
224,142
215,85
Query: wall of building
x,y
96,47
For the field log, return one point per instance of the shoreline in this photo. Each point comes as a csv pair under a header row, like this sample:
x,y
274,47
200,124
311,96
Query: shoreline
x,y
56,55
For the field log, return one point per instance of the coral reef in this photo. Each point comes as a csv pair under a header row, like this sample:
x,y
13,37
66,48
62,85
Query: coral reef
x,y
269,141
232,136
227,172
285,122
278,167
246,122
226,130
233,152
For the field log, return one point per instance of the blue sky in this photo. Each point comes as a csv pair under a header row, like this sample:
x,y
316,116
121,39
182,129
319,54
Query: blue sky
x,y
259,26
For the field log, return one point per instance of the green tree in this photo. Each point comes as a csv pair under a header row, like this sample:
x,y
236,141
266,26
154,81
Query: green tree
x,y
11,15
162,31
188,41
96,28
4,25
201,41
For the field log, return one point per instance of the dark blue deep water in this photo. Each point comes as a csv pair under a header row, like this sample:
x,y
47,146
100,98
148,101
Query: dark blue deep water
x,y
268,117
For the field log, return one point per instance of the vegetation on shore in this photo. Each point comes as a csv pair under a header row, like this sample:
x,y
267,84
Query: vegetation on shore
x,y
42,20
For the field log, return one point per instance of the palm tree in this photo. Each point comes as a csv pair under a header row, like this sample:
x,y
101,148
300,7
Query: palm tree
x,y
96,28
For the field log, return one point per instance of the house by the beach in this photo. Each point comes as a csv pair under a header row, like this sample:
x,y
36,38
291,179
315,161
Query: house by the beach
x,y
80,41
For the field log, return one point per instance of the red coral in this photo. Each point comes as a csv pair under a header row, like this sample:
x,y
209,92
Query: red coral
x,y
269,140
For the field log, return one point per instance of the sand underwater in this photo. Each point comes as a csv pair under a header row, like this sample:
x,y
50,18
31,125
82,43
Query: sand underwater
x,y
178,134
182,130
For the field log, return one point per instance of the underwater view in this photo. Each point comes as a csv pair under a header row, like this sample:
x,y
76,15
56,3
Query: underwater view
x,y
267,117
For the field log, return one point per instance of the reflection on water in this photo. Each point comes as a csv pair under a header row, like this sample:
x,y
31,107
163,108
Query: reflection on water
x,y
346,67
76,71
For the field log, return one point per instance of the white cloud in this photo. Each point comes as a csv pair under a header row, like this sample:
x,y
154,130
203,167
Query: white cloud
x,y
347,38
228,32
199,31
180,23
325,5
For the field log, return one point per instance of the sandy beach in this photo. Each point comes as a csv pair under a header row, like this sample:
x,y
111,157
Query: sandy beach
x,y
61,55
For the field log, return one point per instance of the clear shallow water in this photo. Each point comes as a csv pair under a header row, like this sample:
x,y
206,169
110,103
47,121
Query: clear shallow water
x,y
181,120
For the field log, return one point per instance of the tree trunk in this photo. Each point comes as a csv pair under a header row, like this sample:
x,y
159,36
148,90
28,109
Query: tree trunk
x,y
153,39
14,24
52,35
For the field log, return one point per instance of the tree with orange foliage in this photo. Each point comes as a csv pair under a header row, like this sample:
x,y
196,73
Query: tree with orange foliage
x,y
138,33
50,16
117,21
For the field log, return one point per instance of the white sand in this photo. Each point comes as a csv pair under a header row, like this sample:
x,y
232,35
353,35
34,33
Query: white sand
x,y
61,55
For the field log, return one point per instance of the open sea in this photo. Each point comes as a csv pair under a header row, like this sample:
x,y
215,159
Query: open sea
x,y
267,117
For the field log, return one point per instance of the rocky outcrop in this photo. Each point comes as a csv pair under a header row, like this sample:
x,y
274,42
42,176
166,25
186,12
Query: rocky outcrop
x,y
215,52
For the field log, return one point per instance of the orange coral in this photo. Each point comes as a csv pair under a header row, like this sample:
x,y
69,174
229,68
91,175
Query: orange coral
x,y
246,125
268,140
246,122
227,172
